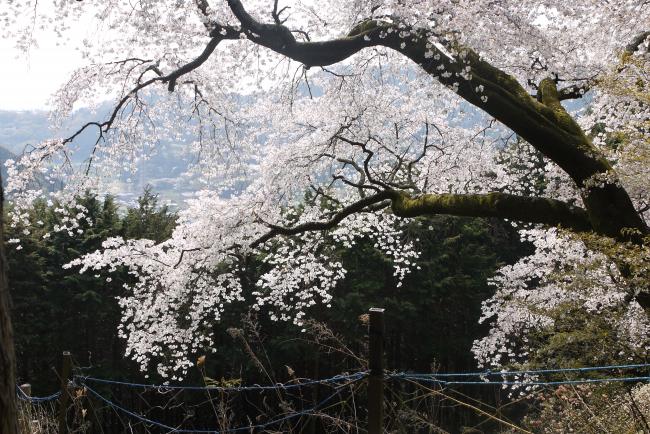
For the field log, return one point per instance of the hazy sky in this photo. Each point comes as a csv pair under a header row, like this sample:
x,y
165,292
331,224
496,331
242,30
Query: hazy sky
x,y
28,79
27,82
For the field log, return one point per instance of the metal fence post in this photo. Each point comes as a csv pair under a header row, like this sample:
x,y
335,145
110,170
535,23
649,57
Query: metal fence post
x,y
376,376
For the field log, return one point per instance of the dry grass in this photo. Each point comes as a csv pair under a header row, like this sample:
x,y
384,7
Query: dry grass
x,y
36,418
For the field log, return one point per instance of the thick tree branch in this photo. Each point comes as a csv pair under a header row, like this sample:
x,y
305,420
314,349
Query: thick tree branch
x,y
191,66
507,206
501,205
503,97
280,39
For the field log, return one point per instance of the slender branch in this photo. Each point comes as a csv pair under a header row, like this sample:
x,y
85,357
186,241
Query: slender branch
x,y
356,207
357,185
203,7
366,162
170,78
276,13
636,42
191,66
180,258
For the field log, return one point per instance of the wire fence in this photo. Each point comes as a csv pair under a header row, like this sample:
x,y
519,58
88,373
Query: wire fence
x,y
434,380
35,399
528,377
339,383
255,387
247,428
489,373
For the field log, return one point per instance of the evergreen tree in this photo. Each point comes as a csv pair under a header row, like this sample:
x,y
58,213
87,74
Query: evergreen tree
x,y
149,219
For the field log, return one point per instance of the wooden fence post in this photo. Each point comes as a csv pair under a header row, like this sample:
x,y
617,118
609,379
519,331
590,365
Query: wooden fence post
x,y
64,399
376,376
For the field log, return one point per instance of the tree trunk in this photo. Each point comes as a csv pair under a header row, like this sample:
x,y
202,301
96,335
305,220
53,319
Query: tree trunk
x,y
8,416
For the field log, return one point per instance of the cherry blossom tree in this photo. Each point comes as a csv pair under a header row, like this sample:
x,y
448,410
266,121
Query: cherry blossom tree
x,y
319,123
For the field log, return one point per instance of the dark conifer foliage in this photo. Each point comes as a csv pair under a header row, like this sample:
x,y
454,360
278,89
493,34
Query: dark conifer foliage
x,y
57,309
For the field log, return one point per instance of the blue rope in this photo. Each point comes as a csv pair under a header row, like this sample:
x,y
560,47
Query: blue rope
x,y
529,372
418,378
411,376
232,430
24,397
284,386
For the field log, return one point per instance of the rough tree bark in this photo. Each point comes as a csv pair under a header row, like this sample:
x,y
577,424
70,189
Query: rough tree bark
x,y
8,419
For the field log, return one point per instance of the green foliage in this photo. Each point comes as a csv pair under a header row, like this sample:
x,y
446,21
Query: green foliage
x,y
149,220
432,317
577,339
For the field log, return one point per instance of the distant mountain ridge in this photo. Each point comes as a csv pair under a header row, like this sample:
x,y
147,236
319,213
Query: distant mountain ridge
x,y
20,129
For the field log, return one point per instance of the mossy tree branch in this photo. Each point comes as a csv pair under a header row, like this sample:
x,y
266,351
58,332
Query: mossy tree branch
x,y
507,206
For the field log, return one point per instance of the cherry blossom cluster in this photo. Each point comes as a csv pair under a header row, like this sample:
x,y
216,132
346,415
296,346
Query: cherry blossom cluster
x,y
561,272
